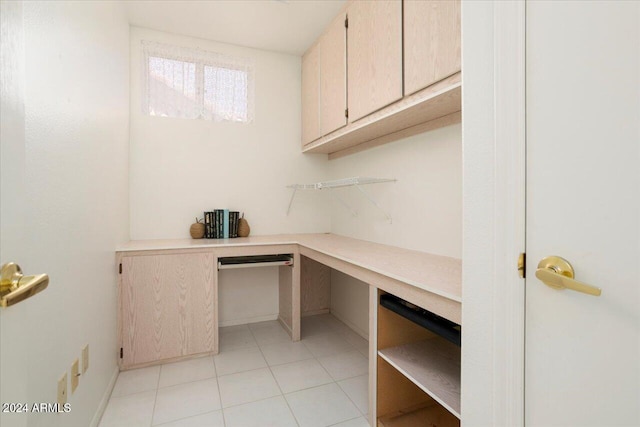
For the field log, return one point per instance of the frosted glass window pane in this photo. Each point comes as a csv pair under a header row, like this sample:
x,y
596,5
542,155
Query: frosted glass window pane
x,y
225,94
172,88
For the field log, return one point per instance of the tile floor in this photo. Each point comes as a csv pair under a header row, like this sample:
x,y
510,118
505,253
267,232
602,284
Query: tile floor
x,y
260,378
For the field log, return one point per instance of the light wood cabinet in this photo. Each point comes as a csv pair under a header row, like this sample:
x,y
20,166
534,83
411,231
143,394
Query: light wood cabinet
x,y
422,369
333,76
168,308
311,95
403,78
374,56
431,42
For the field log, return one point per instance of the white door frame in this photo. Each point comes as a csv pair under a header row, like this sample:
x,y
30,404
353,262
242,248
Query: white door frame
x,y
494,161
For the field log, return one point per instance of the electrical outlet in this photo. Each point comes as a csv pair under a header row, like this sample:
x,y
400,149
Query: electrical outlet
x,y
85,358
62,389
75,375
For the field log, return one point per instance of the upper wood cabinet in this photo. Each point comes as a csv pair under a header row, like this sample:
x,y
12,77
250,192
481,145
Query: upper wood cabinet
x,y
403,75
167,305
374,60
431,42
311,95
333,76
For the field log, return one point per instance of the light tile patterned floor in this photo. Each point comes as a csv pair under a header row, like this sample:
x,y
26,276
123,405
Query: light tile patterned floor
x,y
259,379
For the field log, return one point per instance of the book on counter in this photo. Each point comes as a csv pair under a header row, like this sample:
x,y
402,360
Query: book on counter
x,y
221,224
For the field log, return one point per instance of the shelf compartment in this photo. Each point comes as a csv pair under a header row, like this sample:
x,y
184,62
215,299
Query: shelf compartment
x,y
437,324
423,415
433,365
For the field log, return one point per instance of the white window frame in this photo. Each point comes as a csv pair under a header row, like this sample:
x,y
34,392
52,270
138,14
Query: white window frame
x,y
202,59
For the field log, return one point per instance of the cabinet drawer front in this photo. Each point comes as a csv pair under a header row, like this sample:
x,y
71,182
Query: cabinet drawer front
x,y
168,306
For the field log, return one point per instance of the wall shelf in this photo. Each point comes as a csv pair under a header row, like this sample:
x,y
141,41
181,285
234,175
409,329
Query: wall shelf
x,y
433,365
356,182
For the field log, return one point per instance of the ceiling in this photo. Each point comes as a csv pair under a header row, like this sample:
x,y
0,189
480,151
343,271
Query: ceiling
x,y
288,26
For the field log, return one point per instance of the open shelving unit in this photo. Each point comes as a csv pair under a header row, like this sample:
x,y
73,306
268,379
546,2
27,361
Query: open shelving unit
x,y
433,365
421,368
356,182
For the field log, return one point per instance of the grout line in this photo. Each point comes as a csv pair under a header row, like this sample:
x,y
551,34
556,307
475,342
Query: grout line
x,y
186,418
349,397
340,387
187,382
224,420
274,379
350,419
216,377
155,399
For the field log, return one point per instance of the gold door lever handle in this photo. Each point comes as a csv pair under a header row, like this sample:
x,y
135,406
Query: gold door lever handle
x,y
15,287
558,273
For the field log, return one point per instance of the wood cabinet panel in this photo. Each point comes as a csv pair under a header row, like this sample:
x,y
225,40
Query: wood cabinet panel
x,y
168,306
333,76
374,56
431,42
315,287
311,95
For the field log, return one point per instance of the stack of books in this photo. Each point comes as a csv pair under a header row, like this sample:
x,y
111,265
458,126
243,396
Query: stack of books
x,y
221,224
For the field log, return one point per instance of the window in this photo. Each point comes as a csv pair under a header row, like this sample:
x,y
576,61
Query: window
x,y
195,84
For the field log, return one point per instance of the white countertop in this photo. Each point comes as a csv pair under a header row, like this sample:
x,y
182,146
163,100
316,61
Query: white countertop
x,y
438,274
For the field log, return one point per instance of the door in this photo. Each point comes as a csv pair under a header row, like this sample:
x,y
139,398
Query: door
x,y
168,307
374,56
333,76
431,42
311,95
582,365
13,346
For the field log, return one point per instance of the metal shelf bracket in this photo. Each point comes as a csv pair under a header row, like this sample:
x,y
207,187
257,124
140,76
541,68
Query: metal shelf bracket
x,y
346,182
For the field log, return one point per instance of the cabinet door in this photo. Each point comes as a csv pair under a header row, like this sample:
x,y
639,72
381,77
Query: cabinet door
x,y
333,76
311,95
167,306
431,42
374,56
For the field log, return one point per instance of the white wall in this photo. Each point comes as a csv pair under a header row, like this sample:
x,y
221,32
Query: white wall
x,y
248,295
350,302
425,204
76,133
180,168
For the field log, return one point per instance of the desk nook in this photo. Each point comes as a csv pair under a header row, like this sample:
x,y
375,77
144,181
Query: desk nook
x,y
168,310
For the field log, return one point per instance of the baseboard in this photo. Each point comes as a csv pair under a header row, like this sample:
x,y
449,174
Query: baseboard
x,y
285,326
105,399
249,320
354,328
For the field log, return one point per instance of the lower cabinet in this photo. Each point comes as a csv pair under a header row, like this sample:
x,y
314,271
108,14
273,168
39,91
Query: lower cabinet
x,y
417,374
167,305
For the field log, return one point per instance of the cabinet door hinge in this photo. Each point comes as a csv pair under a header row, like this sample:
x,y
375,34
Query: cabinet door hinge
x,y
346,113
346,22
121,353
120,269
522,265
